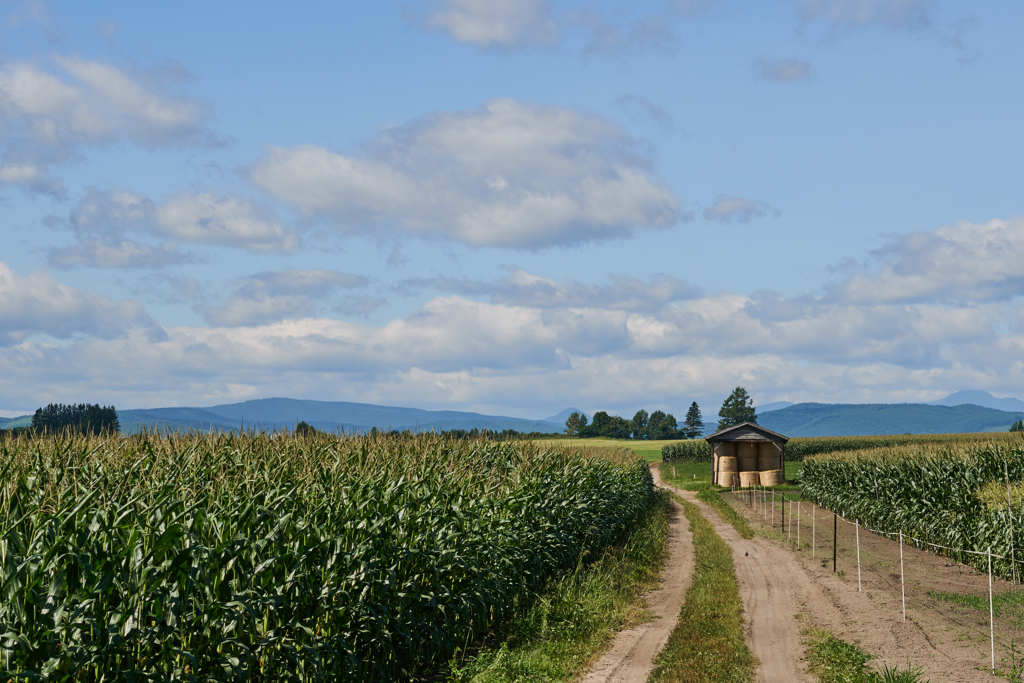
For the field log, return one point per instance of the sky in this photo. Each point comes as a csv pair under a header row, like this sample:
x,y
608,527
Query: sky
x,y
510,206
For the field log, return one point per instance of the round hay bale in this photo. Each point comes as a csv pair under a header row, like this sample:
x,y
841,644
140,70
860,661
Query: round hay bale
x,y
726,478
768,460
726,463
748,479
748,457
771,477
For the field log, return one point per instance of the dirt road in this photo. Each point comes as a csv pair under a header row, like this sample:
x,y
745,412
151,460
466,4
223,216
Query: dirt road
x,y
631,657
771,587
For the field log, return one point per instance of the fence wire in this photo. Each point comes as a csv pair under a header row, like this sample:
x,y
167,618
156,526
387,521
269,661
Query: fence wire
x,y
916,574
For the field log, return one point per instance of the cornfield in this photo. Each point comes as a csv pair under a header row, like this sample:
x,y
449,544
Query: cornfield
x,y
285,558
942,494
798,448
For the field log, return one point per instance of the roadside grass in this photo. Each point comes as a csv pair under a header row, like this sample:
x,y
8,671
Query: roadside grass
x,y
648,450
708,643
833,660
1009,603
710,495
577,617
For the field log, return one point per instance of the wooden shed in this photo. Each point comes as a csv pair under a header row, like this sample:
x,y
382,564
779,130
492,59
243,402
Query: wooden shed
x,y
748,455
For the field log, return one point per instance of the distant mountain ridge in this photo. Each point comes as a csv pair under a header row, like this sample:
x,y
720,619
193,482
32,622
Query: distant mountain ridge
x,y
332,416
981,398
864,419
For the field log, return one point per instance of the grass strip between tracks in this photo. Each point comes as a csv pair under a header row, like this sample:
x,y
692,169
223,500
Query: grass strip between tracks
x,y
708,642
577,617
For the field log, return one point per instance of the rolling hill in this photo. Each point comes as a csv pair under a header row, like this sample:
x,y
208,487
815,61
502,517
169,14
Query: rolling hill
x,y
862,419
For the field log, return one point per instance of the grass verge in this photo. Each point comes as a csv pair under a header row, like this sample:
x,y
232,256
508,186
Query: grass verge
x,y
574,619
708,643
1009,603
709,494
833,660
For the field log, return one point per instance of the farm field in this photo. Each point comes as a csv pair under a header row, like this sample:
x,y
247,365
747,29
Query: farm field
x,y
648,450
288,558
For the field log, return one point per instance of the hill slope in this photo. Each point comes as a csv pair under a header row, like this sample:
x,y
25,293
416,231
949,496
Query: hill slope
x,y
279,413
861,419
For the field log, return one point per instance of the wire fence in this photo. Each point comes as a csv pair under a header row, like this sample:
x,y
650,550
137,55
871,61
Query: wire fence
x,y
917,574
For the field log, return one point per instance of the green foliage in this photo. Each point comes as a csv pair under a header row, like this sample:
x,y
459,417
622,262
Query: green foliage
x,y
933,494
279,558
693,425
82,418
737,408
575,424
836,661
640,420
570,622
661,425
303,428
1017,426
708,642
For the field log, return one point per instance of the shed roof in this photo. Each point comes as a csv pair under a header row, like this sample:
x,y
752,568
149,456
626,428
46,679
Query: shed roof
x,y
747,431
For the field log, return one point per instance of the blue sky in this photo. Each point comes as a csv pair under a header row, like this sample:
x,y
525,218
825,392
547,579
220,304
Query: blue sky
x,y
510,206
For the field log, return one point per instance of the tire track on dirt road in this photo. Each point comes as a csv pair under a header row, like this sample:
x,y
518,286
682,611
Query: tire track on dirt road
x,y
631,657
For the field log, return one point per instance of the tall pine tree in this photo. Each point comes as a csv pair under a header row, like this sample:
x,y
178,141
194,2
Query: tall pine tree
x,y
693,425
737,409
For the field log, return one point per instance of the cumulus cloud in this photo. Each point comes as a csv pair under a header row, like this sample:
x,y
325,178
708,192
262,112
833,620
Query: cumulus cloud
x,y
38,304
48,114
495,23
962,262
276,295
897,14
505,175
782,70
727,209
118,254
103,220
520,287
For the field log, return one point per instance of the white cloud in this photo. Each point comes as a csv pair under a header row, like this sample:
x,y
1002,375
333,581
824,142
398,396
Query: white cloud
x,y
727,209
119,254
278,295
506,175
203,218
38,304
783,70
495,23
48,115
962,262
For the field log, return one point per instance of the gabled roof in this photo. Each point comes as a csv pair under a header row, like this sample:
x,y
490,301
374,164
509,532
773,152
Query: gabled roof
x,y
747,431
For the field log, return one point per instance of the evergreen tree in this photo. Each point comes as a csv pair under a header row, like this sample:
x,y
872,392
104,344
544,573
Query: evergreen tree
x,y
737,409
82,418
693,425
1017,426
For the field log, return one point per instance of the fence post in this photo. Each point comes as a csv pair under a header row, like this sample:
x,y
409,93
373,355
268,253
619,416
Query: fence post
x,y
859,589
773,508
835,527
903,590
783,508
798,525
991,622
813,517
1009,511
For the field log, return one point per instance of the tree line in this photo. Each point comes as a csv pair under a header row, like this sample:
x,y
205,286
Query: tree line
x,y
737,408
80,418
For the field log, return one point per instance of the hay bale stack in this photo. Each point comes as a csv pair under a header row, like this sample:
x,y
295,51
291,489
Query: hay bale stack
x,y
768,458
771,477
726,478
747,457
748,479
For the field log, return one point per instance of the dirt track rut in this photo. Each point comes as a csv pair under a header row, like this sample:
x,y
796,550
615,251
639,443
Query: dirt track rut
x,y
631,657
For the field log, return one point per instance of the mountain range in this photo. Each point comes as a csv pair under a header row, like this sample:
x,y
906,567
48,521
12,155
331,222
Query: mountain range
x,y
963,411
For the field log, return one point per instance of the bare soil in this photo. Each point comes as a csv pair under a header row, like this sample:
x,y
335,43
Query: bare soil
x,y
631,657
948,642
